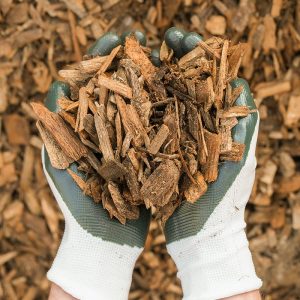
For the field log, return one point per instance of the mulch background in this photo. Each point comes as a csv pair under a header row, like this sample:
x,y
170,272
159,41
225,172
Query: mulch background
x,y
37,38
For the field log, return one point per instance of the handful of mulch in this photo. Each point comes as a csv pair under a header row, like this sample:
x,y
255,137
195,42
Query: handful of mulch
x,y
143,134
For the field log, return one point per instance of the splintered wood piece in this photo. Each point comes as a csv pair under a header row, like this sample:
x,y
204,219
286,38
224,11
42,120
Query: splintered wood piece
x,y
92,65
134,51
131,122
58,158
92,106
140,98
82,109
236,153
136,121
191,87
234,111
79,181
133,156
127,210
195,190
210,51
164,52
166,211
207,120
84,138
103,136
103,95
132,182
112,170
109,205
192,163
69,118
126,144
159,139
210,168
93,161
73,75
63,135
128,126
94,188
109,59
191,56
235,94
115,86
229,122
193,120
210,94
202,148
171,143
89,127
119,135
221,85
160,185
235,59
226,139
64,103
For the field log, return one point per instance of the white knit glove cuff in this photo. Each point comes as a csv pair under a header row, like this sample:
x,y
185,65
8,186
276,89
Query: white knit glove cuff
x,y
87,267
90,268
223,267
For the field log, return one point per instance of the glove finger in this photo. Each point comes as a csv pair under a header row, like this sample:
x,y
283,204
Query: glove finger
x,y
190,41
105,44
173,38
155,57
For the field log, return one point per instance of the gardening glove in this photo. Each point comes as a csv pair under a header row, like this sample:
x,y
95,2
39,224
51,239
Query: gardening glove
x,y
207,239
97,254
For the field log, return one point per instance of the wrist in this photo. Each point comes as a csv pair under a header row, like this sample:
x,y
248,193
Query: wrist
x,y
57,293
253,295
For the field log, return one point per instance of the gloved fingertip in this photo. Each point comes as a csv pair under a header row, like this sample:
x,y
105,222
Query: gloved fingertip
x,y
190,41
155,57
57,89
173,37
105,44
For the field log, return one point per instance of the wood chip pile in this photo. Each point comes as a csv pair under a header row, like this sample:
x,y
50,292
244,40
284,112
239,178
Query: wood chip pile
x,y
147,135
39,38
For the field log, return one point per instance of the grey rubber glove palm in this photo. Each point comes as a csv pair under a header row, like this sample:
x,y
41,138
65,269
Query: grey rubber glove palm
x,y
97,254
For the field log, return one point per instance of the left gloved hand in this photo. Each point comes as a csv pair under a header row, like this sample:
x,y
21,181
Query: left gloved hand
x,y
97,254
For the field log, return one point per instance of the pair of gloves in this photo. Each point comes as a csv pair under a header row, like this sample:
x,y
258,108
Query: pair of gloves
x,y
206,239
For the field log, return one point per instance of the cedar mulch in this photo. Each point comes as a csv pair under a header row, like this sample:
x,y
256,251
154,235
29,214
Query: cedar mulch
x,y
39,38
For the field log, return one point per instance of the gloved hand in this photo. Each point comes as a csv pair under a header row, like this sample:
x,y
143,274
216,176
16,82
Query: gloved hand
x,y
97,254
207,239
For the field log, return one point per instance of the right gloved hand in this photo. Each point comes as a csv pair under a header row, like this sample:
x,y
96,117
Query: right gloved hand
x,y
207,239
97,254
